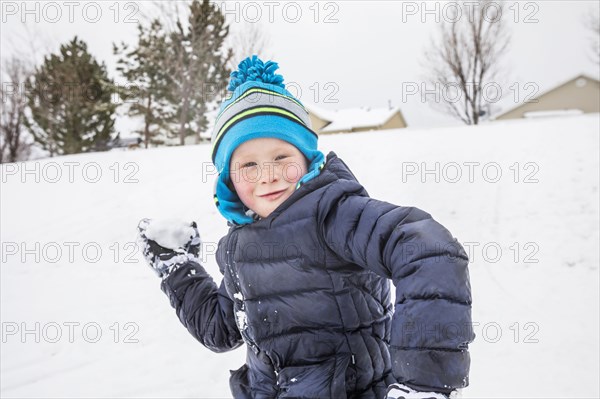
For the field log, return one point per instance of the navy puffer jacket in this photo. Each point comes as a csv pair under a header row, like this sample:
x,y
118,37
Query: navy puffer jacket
x,y
307,289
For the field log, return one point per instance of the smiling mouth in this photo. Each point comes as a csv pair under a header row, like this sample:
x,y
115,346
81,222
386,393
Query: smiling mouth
x,y
274,195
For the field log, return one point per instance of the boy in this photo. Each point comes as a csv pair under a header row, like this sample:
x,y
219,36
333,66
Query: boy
x,y
306,266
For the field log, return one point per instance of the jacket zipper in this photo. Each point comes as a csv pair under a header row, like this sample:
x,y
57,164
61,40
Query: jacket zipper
x,y
234,277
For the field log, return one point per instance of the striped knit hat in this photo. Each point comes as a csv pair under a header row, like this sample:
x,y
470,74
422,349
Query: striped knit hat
x,y
258,106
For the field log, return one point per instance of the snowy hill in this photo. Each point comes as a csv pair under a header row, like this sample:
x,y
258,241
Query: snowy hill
x,y
83,316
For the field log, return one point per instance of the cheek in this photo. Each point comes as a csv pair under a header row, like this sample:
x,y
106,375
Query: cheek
x,y
292,172
244,190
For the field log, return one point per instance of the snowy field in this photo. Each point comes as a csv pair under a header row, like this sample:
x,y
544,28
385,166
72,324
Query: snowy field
x,y
83,316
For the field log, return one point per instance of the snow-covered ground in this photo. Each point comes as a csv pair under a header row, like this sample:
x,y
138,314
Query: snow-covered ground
x,y
83,316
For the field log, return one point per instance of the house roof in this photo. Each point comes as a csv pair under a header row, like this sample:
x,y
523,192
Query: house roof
x,y
549,90
353,118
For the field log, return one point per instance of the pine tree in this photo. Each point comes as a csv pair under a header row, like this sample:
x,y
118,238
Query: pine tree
x,y
69,98
197,66
148,81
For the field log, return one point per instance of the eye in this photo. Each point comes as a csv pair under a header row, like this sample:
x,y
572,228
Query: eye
x,y
280,157
248,164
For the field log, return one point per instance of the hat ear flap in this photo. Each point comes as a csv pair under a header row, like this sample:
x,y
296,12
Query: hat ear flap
x,y
231,186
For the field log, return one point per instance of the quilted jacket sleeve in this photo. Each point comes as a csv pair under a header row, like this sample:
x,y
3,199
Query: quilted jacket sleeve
x,y
431,326
205,310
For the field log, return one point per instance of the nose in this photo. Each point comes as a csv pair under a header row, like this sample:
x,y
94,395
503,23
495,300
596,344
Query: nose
x,y
270,173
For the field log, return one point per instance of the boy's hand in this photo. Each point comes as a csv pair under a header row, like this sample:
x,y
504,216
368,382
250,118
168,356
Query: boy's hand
x,y
399,391
168,245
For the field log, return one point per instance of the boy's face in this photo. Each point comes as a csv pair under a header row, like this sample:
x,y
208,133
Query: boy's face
x,y
264,173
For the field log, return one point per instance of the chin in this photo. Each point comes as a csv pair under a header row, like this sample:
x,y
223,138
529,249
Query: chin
x,y
266,213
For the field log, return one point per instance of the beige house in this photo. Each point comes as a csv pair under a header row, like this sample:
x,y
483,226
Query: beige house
x,y
355,119
580,94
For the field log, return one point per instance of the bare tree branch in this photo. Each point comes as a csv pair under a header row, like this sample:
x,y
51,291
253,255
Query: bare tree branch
x,y
14,145
246,40
592,23
467,55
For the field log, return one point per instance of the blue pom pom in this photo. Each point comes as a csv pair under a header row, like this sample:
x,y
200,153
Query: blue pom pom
x,y
255,70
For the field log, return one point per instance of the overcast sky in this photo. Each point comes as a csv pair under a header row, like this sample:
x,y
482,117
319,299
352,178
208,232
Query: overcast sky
x,y
367,51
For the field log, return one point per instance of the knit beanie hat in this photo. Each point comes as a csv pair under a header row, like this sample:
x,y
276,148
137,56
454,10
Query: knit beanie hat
x,y
258,106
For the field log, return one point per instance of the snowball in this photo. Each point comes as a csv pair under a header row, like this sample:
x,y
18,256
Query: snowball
x,y
170,233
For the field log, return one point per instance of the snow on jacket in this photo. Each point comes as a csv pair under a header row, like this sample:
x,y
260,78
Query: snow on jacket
x,y
307,289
